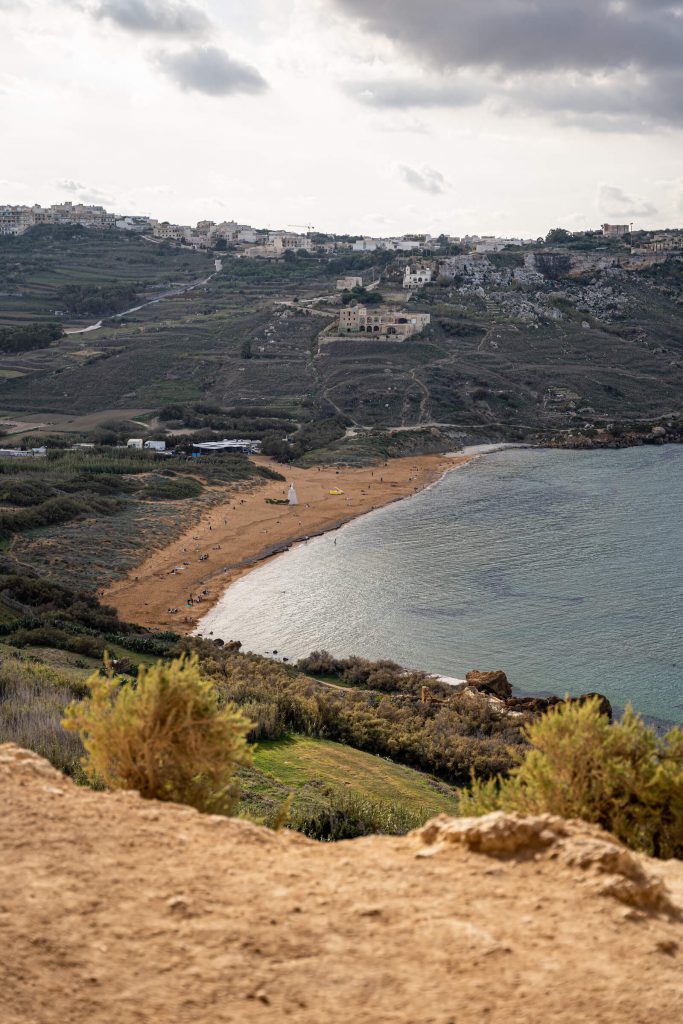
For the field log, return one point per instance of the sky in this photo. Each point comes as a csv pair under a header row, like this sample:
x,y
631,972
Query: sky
x,y
380,117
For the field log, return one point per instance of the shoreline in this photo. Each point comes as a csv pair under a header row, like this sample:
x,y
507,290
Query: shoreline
x,y
177,585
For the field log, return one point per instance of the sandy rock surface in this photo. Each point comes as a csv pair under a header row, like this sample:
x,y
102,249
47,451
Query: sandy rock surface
x,y
114,909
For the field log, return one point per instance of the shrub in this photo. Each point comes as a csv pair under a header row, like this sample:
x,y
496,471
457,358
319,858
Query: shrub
x,y
165,736
331,814
622,777
32,701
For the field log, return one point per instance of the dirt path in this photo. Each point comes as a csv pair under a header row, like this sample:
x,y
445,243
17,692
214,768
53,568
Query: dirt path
x,y
245,529
117,909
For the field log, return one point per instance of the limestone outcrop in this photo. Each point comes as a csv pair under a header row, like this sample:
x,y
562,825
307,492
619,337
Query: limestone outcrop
x,y
495,683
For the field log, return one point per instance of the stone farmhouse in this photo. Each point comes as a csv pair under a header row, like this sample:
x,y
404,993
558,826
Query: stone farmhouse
x,y
394,324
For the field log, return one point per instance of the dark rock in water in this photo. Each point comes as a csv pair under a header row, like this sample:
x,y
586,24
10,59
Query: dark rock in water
x,y
604,706
495,683
532,705
539,705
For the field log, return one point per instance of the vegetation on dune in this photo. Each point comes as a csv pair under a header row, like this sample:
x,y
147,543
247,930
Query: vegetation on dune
x,y
47,614
165,736
622,777
119,493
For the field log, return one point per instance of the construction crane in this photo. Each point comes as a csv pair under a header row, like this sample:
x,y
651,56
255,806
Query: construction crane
x,y
309,227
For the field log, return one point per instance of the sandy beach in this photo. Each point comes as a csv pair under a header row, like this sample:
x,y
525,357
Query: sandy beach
x,y
177,585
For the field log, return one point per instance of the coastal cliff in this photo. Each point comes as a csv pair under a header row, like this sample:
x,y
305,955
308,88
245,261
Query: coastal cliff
x,y
113,907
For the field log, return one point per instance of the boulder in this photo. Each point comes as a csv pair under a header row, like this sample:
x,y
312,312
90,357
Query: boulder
x,y
604,706
495,683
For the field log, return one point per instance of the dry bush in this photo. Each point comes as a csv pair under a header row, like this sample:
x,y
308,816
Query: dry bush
x,y
622,776
164,735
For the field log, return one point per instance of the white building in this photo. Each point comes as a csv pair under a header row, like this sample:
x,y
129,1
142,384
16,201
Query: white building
x,y
416,276
345,284
367,245
250,447
616,230
137,224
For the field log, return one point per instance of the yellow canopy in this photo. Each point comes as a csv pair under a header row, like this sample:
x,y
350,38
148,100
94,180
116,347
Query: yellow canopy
x,y
335,490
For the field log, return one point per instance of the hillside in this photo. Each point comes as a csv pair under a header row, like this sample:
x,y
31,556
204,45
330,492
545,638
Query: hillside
x,y
116,908
520,343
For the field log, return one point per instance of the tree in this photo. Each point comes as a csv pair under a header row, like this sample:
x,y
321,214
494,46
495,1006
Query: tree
x,y
221,245
558,235
165,736
245,350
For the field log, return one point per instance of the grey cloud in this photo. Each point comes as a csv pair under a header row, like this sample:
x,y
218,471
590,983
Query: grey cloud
x,y
83,193
400,93
157,17
70,186
607,63
524,34
211,71
426,180
617,203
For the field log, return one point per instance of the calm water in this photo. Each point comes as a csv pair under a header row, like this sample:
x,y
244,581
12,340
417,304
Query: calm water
x,y
563,568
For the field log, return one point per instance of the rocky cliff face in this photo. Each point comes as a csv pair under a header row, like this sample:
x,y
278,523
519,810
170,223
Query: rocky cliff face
x,y
117,909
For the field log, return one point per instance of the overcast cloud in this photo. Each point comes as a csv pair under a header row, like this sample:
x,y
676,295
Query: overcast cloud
x,y
427,180
158,17
463,116
615,202
212,71
610,62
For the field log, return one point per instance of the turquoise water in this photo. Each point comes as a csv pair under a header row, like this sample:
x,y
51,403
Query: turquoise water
x,y
563,568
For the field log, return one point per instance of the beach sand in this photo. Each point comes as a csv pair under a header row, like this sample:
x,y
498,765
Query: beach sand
x,y
244,530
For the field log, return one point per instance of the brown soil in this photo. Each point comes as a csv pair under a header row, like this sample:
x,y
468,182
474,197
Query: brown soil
x,y
117,909
245,529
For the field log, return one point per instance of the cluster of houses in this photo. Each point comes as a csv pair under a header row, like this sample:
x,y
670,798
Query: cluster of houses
x,y
266,244
248,446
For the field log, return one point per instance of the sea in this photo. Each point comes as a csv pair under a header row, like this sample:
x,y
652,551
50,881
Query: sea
x,y
563,568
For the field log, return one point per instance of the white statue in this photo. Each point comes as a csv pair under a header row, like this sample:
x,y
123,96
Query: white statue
x,y
293,500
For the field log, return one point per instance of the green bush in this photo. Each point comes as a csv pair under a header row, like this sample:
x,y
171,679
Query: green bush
x,y
331,814
50,636
164,736
622,777
172,490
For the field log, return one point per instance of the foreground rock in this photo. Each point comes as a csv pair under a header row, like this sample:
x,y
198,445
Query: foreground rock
x,y
117,909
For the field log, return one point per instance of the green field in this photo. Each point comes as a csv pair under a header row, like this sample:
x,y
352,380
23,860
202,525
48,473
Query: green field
x,y
300,759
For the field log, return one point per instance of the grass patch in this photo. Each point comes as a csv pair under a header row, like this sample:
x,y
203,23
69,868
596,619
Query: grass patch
x,y
298,760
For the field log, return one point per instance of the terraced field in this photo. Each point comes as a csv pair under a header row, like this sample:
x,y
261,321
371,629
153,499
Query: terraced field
x,y
250,336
